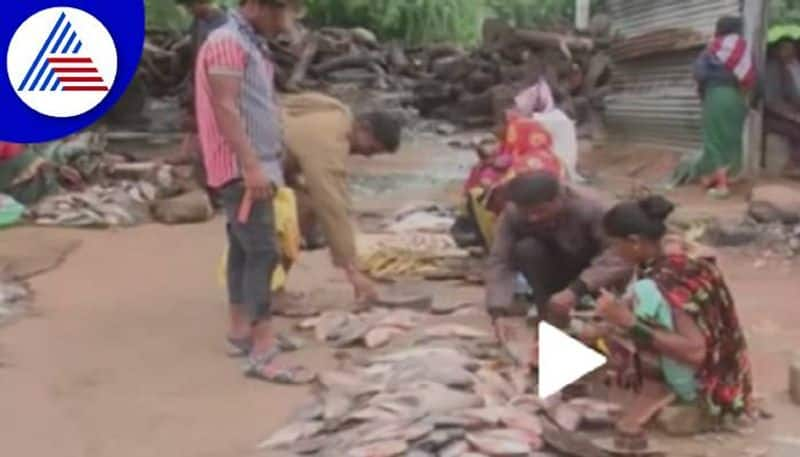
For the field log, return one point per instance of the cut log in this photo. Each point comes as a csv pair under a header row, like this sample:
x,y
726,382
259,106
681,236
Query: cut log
x,y
537,39
306,57
347,62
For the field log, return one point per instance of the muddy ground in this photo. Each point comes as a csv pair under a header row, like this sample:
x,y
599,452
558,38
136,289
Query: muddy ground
x,y
124,354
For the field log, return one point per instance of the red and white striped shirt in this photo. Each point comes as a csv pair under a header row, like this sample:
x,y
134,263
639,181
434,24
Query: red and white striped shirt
x,y
236,50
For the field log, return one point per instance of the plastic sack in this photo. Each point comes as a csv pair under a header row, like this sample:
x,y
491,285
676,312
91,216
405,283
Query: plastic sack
x,y
287,227
565,139
11,211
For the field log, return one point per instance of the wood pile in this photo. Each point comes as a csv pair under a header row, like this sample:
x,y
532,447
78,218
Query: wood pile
x,y
467,87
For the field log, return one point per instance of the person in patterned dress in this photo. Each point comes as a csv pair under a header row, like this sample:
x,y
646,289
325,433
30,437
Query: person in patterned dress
x,y
681,317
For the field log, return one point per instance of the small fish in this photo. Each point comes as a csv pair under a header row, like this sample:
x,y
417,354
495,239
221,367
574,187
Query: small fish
x,y
329,324
381,336
349,333
456,449
456,331
381,449
441,438
520,420
347,383
449,307
504,443
309,324
597,412
291,434
490,415
498,383
337,405
405,320
568,417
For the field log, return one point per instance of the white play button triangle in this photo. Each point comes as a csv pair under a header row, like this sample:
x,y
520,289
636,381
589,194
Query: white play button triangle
x,y
563,360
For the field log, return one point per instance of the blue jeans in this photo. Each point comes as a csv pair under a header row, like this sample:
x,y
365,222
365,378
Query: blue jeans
x,y
253,252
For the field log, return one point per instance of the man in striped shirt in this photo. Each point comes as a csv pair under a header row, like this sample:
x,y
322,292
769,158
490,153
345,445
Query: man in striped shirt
x,y
240,133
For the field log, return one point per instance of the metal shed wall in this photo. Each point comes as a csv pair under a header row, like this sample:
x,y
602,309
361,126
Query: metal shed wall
x,y
655,97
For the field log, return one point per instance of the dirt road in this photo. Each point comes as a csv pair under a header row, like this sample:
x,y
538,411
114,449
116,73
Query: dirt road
x,y
125,357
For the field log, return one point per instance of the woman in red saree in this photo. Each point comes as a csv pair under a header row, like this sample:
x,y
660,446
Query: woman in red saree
x,y
525,146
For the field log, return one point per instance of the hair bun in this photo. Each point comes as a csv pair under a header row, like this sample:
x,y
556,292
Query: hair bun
x,y
656,207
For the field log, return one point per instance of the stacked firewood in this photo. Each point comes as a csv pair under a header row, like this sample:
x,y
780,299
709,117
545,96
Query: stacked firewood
x,y
469,87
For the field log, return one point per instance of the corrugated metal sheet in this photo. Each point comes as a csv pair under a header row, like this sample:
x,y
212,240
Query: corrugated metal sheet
x,y
655,97
637,17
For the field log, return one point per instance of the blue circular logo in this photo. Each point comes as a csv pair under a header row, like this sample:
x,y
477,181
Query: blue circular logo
x,y
67,63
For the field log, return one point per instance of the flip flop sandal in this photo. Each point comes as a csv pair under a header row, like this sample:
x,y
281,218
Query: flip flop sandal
x,y
292,376
239,347
290,343
254,364
719,194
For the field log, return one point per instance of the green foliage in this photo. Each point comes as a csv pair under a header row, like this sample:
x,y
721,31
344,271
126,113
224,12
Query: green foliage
x,y
784,12
414,21
165,14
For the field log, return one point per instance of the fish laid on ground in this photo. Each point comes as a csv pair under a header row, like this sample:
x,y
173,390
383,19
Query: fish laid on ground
x,y
309,324
291,434
529,403
567,416
349,333
456,331
337,405
375,414
381,449
456,449
436,370
449,307
520,380
381,336
405,320
309,412
419,453
597,412
451,354
497,382
439,439
439,399
488,416
329,323
347,383
521,420
499,443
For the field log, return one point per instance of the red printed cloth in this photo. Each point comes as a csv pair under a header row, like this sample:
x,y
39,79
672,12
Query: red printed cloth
x,y
735,54
527,147
10,150
696,287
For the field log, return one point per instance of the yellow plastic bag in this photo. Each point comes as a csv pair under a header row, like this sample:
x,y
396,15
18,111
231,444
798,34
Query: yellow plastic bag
x,y
287,226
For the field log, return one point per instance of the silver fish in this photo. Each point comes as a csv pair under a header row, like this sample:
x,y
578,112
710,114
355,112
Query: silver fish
x,y
291,434
457,331
568,417
381,449
381,336
329,324
456,449
504,443
520,420
337,405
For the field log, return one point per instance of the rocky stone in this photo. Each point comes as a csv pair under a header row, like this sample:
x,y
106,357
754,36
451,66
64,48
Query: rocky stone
x,y
775,203
731,235
682,420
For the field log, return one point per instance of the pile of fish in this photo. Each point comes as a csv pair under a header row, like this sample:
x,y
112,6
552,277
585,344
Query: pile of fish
x,y
125,203
416,255
380,326
446,394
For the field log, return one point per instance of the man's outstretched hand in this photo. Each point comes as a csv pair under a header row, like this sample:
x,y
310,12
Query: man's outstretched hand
x,y
363,287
